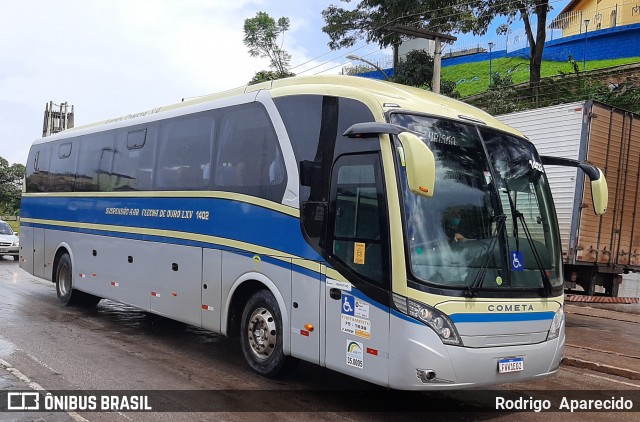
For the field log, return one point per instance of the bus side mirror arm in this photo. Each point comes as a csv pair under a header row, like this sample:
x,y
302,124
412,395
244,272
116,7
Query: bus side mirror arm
x,y
599,189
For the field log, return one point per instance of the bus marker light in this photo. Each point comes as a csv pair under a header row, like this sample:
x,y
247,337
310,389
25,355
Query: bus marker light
x,y
93,274
423,189
371,351
114,284
82,275
207,307
154,294
174,294
309,327
304,333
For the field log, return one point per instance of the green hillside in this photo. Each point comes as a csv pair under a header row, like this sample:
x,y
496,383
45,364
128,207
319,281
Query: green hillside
x,y
473,78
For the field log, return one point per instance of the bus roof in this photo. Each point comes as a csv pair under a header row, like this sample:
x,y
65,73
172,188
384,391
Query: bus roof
x,y
381,96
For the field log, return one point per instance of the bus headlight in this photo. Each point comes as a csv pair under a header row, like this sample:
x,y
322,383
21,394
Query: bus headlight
x,y
556,324
436,320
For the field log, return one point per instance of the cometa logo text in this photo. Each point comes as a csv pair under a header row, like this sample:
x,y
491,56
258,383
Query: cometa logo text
x,y
510,308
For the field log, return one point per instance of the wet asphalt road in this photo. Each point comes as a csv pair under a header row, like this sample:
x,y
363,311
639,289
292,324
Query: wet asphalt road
x,y
115,347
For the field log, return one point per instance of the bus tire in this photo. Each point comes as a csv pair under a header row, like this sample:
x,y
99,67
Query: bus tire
x,y
261,335
67,295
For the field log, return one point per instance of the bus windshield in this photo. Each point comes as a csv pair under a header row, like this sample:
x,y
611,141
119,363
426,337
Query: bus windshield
x,y
491,222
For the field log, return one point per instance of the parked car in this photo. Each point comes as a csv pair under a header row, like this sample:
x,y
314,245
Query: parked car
x,y
9,242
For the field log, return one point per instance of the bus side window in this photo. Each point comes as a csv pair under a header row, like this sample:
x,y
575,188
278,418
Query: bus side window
x,y
134,150
37,171
93,171
358,216
249,159
185,149
62,170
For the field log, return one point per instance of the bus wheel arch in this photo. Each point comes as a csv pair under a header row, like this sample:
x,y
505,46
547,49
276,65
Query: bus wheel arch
x,y
257,315
62,276
238,298
61,250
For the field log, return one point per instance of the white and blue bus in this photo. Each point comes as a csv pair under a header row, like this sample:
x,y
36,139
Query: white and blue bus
x,y
378,230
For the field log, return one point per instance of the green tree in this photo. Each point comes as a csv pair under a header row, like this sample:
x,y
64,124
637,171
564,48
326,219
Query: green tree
x,y
525,10
371,20
269,75
416,70
261,34
11,177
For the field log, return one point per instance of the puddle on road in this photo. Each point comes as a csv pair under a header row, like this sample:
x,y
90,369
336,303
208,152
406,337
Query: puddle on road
x,y
6,348
131,320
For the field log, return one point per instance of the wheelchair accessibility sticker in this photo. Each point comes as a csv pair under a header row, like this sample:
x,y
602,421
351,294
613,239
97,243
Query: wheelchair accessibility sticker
x,y
354,317
354,306
517,262
348,304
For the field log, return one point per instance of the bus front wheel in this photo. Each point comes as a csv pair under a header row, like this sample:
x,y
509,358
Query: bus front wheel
x,y
261,335
67,295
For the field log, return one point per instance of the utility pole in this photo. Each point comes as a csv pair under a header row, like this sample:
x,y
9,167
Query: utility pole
x,y
437,54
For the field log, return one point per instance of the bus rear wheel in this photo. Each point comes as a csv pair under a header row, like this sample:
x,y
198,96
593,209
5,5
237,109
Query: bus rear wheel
x,y
67,295
261,335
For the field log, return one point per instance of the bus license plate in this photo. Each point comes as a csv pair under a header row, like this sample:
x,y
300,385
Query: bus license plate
x,y
510,365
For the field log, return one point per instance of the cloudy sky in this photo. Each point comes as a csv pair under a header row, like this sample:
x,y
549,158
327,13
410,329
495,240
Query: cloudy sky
x,y
114,57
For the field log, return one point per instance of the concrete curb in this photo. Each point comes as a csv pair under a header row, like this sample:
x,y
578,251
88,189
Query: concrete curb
x,y
600,367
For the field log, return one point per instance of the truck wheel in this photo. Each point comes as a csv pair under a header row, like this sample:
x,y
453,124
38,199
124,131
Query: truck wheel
x,y
67,295
261,335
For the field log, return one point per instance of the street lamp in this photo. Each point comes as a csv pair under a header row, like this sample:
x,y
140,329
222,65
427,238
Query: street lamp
x,y
352,57
584,56
490,64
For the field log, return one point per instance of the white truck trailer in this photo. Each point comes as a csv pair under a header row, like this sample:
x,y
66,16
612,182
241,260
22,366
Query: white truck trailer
x,y
597,250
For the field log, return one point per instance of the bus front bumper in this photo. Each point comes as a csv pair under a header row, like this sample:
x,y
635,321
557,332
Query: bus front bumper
x,y
421,361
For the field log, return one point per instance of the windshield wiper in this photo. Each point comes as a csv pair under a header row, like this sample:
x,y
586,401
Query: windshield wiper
x,y
517,215
477,281
548,288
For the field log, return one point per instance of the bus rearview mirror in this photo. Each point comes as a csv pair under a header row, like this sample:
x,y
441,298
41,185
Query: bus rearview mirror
x,y
599,189
599,194
420,164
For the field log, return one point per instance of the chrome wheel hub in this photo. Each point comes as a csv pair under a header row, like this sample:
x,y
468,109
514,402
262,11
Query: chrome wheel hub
x,y
262,333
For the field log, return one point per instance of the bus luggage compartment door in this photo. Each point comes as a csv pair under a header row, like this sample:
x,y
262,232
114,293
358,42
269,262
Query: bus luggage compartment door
x,y
177,274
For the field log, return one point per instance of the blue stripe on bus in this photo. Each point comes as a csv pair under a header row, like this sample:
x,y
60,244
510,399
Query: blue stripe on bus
x,y
185,242
178,241
504,317
240,221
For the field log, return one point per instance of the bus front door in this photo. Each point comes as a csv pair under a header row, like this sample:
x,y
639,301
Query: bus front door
x,y
356,295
